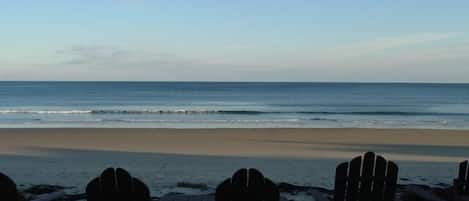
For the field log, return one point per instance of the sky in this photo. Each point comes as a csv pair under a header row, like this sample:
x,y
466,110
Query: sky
x,y
228,40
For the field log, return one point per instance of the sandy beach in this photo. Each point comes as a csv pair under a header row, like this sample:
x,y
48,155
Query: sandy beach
x,y
163,157
290,143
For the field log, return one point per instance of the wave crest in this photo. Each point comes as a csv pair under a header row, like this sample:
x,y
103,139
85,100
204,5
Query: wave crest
x,y
45,111
229,112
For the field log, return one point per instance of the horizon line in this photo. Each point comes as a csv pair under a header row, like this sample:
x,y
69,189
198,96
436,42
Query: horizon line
x,y
214,81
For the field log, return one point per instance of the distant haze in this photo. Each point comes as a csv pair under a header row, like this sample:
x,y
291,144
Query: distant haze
x,y
365,41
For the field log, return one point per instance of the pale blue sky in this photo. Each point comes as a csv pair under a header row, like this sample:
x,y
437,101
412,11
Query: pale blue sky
x,y
368,41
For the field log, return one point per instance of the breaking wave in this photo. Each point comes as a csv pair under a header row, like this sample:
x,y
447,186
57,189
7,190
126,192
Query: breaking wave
x,y
230,112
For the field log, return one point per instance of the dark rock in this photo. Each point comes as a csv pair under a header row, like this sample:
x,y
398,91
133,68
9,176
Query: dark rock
x,y
445,193
293,189
443,185
200,186
77,197
43,189
418,192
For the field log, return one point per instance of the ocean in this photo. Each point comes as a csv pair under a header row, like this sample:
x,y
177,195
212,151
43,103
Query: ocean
x,y
234,105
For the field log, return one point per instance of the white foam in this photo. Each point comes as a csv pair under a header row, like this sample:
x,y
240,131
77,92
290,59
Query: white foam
x,y
45,111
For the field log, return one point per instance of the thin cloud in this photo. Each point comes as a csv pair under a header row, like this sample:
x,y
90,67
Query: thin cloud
x,y
92,55
417,57
112,57
380,44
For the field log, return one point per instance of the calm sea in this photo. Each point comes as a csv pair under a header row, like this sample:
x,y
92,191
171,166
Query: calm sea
x,y
220,105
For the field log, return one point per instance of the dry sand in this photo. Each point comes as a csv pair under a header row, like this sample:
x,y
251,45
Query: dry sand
x,y
397,144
